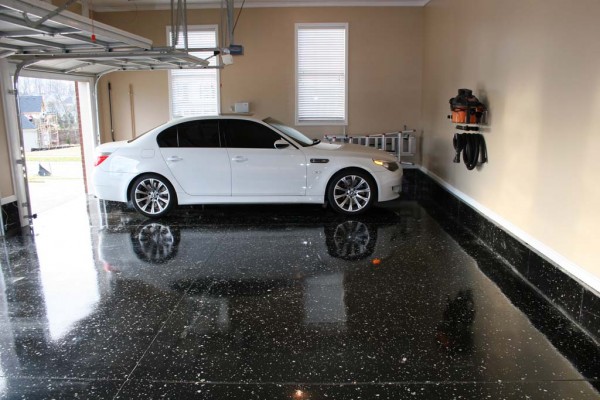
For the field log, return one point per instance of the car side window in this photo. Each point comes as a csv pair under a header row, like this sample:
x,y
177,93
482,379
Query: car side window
x,y
204,133
248,134
168,137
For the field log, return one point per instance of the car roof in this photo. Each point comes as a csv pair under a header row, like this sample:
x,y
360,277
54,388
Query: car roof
x,y
178,120
208,117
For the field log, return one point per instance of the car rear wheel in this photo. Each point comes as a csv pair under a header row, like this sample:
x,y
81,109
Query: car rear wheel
x,y
351,191
154,242
152,196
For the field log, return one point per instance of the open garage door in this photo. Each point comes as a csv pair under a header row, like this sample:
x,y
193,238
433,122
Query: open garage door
x,y
58,132
38,37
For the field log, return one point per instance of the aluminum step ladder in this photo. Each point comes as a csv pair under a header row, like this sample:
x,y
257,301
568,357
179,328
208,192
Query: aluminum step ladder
x,y
399,143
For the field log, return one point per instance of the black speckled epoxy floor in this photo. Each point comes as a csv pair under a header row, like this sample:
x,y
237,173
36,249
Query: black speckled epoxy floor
x,y
275,302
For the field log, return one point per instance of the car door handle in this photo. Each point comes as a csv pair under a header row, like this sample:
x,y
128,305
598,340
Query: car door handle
x,y
174,158
239,159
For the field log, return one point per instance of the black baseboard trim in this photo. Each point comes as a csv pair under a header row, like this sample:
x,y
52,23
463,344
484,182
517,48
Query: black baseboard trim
x,y
10,217
577,301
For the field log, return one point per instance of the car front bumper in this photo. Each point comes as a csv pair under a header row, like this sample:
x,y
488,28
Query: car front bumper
x,y
389,184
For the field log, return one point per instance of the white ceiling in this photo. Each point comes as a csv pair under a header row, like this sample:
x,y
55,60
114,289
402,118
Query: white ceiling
x,y
123,5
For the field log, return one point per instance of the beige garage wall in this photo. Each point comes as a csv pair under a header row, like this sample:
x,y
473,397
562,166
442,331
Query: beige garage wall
x,y
536,64
6,184
385,65
141,96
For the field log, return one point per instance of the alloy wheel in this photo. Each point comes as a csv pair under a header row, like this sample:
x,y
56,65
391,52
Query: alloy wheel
x,y
352,193
152,196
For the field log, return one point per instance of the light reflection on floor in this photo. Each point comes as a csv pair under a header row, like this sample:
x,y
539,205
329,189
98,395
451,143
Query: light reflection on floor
x,y
67,268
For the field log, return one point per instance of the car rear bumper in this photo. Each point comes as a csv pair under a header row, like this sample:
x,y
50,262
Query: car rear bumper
x,y
110,185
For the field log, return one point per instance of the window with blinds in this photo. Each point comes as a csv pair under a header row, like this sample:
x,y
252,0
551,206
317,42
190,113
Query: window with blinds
x,y
196,91
321,74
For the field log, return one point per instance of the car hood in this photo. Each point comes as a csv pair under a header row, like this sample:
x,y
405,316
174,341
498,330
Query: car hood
x,y
350,149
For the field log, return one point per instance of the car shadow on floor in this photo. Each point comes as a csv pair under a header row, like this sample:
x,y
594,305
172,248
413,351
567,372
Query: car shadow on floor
x,y
251,214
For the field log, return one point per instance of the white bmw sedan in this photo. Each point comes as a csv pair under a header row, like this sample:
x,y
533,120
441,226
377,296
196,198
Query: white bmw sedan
x,y
235,160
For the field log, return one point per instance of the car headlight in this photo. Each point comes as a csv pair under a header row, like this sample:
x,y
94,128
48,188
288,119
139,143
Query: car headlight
x,y
389,165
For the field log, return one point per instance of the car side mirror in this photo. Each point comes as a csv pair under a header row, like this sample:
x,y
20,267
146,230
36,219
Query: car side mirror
x,y
281,144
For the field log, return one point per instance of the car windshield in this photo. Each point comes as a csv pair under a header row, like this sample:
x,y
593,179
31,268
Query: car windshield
x,y
291,132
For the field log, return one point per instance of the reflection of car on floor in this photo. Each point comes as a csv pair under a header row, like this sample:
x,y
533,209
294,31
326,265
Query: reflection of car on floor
x,y
234,160
170,254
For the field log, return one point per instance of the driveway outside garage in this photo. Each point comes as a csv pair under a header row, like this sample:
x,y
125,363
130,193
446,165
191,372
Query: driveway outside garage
x,y
64,183
265,302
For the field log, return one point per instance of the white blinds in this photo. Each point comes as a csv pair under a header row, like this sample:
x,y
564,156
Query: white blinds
x,y
321,73
196,91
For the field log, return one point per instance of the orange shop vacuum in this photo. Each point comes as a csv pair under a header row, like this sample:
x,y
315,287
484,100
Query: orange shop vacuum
x,y
466,108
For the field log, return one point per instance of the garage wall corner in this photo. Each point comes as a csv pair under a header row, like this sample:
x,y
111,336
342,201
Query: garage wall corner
x,y
139,101
536,64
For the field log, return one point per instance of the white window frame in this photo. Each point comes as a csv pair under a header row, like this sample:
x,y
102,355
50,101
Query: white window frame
x,y
333,25
190,28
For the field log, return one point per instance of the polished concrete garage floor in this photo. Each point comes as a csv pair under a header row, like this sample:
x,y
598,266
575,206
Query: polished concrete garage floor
x,y
279,302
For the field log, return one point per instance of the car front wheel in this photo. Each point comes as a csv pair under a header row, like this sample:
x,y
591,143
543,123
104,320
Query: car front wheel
x,y
152,196
351,192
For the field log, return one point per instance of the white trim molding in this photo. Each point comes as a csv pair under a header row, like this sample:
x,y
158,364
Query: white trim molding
x,y
568,266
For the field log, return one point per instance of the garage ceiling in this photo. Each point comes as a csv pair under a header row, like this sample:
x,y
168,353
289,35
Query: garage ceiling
x,y
122,5
39,36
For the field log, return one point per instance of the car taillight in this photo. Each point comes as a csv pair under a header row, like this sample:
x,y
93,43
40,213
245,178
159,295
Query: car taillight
x,y
100,159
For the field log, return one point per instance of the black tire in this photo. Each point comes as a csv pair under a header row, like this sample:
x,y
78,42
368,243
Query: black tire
x,y
152,196
351,192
